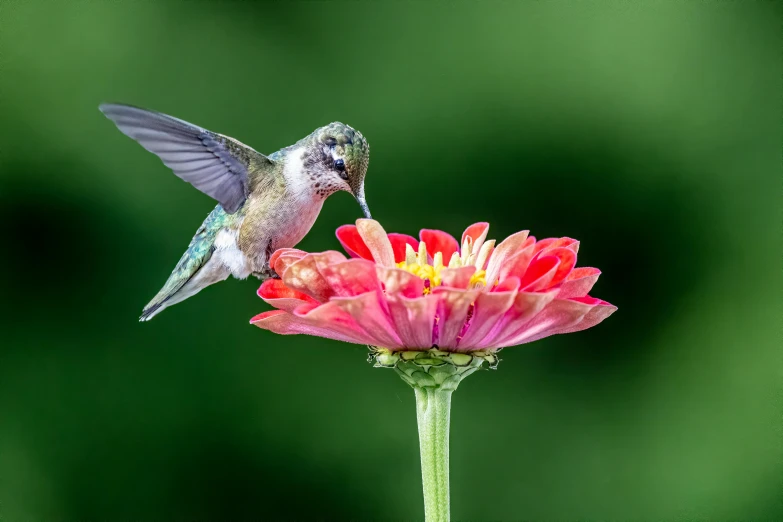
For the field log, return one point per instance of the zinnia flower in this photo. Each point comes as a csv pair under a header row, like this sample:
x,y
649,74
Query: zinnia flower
x,y
399,293
433,309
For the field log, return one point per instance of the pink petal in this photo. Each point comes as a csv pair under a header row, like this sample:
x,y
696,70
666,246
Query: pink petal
x,y
438,241
398,281
453,306
305,274
352,242
277,294
507,248
517,264
489,309
566,316
457,277
413,319
372,317
539,274
351,277
283,258
398,242
597,313
559,314
579,282
325,321
563,242
477,233
377,241
526,306
543,244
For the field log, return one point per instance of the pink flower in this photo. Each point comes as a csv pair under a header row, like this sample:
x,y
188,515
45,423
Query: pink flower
x,y
401,293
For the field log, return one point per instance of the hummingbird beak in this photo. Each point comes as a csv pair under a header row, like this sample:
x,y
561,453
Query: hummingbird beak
x,y
359,195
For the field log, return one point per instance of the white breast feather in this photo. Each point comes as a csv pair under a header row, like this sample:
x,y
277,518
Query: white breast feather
x,y
228,253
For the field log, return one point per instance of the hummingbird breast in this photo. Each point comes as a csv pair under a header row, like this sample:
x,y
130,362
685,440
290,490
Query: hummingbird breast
x,y
271,225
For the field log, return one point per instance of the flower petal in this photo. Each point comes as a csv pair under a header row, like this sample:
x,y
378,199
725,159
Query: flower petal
x,y
351,277
567,259
507,248
477,233
489,309
526,306
453,307
516,265
579,282
559,314
398,243
438,241
398,281
539,274
563,242
600,310
413,319
305,274
277,294
352,242
324,321
283,258
377,241
457,277
372,317
565,316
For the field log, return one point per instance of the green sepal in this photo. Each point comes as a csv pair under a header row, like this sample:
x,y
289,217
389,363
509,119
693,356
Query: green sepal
x,y
432,368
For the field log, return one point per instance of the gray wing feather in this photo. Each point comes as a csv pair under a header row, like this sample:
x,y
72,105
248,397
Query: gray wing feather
x,y
213,163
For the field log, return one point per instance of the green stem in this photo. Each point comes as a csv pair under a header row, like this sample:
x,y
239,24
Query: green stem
x,y
433,406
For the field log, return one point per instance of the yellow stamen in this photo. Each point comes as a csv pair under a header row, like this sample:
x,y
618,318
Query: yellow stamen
x,y
478,278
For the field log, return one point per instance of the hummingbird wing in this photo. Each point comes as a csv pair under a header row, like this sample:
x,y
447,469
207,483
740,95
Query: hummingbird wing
x,y
213,163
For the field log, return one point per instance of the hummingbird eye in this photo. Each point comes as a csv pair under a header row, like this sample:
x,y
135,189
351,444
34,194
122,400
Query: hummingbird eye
x,y
339,166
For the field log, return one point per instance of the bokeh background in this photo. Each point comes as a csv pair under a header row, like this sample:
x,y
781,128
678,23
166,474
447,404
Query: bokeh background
x,y
649,131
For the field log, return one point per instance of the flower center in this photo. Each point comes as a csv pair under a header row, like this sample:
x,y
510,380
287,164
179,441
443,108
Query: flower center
x,y
418,264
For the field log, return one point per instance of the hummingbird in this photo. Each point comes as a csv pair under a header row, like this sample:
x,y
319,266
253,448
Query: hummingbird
x,y
264,202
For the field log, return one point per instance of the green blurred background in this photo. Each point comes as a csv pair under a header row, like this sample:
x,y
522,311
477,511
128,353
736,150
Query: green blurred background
x,y
651,132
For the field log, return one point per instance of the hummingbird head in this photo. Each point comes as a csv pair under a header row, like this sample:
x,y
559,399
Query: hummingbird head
x,y
340,158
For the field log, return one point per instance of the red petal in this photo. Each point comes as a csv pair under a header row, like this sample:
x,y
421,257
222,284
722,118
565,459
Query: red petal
x,y
274,292
539,274
398,242
439,241
567,261
352,242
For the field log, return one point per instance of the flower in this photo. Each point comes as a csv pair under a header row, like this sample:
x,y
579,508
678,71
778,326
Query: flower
x,y
400,293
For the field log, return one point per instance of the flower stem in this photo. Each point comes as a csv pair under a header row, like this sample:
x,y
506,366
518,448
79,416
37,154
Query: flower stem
x,y
433,406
